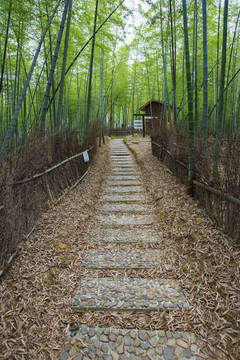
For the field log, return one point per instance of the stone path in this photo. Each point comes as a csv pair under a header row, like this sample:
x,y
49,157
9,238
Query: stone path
x,y
120,236
125,220
126,217
128,294
133,259
109,343
124,208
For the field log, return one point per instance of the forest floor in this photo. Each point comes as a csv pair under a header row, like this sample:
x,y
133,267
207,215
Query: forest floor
x,y
37,290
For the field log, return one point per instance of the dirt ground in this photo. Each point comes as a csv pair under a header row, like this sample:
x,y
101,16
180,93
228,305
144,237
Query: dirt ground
x,y
37,290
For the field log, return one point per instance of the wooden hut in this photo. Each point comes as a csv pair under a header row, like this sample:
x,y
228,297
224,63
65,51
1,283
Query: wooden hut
x,y
154,116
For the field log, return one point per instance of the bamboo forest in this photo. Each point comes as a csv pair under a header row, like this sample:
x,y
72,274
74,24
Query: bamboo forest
x,y
119,179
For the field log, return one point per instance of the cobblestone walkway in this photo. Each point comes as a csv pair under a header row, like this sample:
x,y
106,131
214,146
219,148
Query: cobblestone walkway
x,y
133,259
126,217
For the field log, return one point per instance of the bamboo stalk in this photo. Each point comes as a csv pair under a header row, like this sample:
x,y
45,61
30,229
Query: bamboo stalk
x,y
53,65
190,94
11,128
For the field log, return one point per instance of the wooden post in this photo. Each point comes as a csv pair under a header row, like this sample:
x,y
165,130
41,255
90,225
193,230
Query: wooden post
x,y
143,120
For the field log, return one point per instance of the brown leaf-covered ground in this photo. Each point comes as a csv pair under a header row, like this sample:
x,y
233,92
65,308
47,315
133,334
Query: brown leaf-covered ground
x,y
37,290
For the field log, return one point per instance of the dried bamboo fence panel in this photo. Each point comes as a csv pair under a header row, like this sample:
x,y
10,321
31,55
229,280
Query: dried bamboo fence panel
x,y
222,208
22,201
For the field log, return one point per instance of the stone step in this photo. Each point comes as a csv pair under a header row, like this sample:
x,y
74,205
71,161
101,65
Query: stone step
x,y
124,172
123,259
124,189
123,163
123,236
120,150
131,169
125,220
120,154
121,157
124,198
124,208
125,183
124,177
128,294
133,344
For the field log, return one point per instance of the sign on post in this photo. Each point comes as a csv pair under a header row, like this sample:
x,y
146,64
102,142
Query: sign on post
x,y
85,156
148,117
138,124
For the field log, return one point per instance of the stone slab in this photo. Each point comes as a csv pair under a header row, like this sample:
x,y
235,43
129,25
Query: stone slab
x,y
124,189
123,259
120,151
117,151
113,153
123,198
128,294
131,170
121,157
124,177
123,236
125,183
123,166
124,172
122,160
125,220
124,208
134,344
